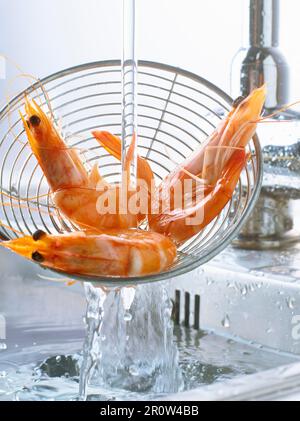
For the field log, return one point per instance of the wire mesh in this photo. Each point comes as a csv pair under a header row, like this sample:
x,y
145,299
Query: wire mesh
x,y
177,111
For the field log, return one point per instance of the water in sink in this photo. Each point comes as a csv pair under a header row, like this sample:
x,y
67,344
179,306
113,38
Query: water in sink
x,y
41,355
26,373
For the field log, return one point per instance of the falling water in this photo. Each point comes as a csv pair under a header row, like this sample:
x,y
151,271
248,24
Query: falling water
x,y
129,88
91,351
129,341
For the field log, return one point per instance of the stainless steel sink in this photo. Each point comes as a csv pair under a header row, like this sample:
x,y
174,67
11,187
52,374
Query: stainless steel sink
x,y
249,294
254,296
251,298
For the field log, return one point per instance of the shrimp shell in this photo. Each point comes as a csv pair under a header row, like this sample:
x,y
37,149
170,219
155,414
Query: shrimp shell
x,y
115,253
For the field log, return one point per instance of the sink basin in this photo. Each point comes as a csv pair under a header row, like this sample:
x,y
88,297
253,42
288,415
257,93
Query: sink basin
x,y
237,327
255,297
249,294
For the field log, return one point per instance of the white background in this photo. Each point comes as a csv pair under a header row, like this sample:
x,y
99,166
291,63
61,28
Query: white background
x,y
202,36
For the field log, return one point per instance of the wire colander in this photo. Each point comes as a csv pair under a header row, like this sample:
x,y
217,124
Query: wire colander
x,y
177,111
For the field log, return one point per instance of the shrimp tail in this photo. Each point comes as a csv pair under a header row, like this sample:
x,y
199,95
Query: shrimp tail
x,y
112,144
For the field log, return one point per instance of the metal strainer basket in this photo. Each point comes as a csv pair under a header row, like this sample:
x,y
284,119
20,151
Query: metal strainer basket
x,y
177,111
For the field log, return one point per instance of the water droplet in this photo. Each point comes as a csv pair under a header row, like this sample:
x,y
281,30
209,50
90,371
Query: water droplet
x,y
251,287
58,359
3,346
230,284
269,330
244,291
291,303
3,374
226,322
133,370
127,316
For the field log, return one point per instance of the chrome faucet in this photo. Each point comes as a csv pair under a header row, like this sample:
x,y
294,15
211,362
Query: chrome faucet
x,y
260,61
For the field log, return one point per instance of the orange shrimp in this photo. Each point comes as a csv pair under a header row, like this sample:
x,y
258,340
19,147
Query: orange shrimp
x,y
112,144
116,253
175,223
75,192
234,131
215,168
61,165
205,165
240,128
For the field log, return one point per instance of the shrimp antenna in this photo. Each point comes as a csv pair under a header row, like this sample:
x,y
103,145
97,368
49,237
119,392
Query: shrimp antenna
x,y
29,199
50,278
263,119
29,77
280,110
19,206
197,177
9,228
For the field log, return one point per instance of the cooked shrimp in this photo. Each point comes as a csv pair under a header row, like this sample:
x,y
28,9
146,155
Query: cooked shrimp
x,y
215,168
182,224
240,129
61,165
235,130
115,253
76,193
112,144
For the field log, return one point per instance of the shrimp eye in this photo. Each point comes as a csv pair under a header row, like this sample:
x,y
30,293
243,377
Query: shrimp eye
x,y
37,257
238,101
34,120
38,235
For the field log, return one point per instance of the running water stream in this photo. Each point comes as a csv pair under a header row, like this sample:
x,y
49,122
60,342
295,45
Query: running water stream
x,y
129,341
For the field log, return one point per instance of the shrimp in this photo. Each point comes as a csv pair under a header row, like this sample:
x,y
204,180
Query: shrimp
x,y
215,168
235,130
115,253
76,193
240,129
205,166
175,223
112,144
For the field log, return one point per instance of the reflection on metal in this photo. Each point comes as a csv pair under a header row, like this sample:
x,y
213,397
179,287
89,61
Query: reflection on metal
x,y
260,61
2,327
